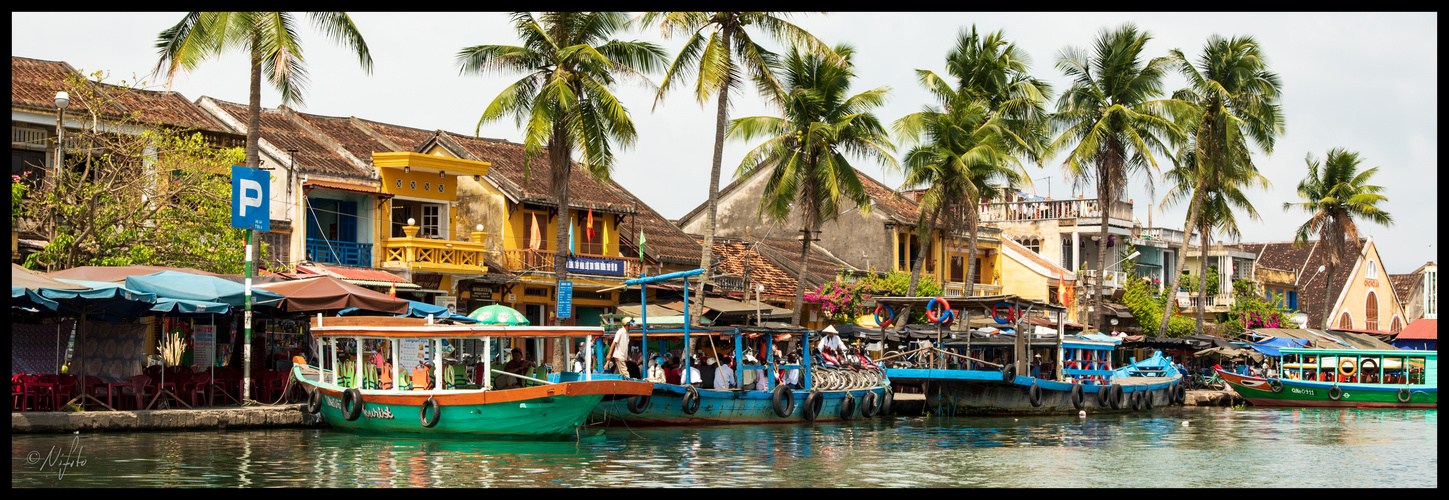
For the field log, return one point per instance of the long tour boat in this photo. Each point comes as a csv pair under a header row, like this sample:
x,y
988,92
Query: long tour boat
x,y
365,383
821,392
1345,378
964,373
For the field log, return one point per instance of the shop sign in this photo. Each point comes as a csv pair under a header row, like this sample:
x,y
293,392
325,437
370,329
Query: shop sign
x,y
565,299
584,265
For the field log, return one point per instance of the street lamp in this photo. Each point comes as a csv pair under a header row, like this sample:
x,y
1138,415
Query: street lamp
x,y
62,101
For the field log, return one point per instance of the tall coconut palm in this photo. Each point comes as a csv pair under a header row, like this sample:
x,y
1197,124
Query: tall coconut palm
x,y
722,60
996,112
806,149
1334,194
1235,98
563,102
1217,200
1111,122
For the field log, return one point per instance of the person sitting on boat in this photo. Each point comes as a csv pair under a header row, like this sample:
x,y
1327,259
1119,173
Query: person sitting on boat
x,y
791,377
632,364
694,378
517,365
672,369
724,377
831,342
706,372
1036,366
656,370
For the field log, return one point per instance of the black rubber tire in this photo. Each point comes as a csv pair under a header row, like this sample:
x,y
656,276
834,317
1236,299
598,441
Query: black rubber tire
x,y
847,406
784,401
1275,385
1034,393
1136,398
1405,395
691,400
885,404
352,404
814,403
1147,399
637,404
1181,394
869,405
1079,397
1335,393
423,412
1008,373
1104,396
1115,399
314,401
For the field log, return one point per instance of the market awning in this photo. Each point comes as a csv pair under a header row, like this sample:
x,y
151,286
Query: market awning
x,y
654,310
326,293
192,287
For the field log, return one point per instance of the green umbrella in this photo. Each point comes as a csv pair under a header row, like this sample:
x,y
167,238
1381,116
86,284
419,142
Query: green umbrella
x,y
498,315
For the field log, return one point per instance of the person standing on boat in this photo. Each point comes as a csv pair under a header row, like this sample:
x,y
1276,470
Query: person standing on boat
x,y
1036,367
620,353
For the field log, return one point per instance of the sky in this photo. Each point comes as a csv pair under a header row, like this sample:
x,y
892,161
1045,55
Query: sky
x,y
1367,82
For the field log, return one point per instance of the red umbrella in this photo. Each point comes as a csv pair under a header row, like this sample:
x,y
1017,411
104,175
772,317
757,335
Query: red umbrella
x,y
326,294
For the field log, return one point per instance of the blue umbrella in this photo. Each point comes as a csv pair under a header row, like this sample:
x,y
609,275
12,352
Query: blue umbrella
x,y
178,285
30,299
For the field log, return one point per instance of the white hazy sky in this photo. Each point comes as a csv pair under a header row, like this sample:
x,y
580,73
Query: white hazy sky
x,y
1367,82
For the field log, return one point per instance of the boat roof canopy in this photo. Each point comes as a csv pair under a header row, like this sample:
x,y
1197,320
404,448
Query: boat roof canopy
x,y
1362,352
980,301
392,327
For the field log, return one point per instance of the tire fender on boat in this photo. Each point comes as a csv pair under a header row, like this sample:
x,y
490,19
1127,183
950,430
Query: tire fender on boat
x,y
1180,393
1115,399
1079,396
1147,399
1334,392
847,406
1275,385
352,404
1136,398
423,412
1008,373
1035,394
885,403
1405,395
784,401
637,404
1104,396
869,405
814,402
691,400
314,401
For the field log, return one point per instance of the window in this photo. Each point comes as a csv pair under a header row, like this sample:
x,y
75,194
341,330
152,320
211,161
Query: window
x,y
1293,300
432,225
1371,312
957,270
1397,325
1373,271
30,165
1030,242
279,248
400,215
1345,321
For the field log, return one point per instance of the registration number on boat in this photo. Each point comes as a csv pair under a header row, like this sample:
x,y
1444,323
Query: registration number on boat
x,y
1303,391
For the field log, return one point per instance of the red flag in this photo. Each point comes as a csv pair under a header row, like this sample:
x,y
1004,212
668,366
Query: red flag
x,y
392,290
1062,289
591,224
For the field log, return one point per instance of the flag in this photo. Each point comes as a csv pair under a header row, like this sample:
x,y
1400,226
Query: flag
x,y
392,290
571,234
641,245
590,232
1062,289
533,236
605,239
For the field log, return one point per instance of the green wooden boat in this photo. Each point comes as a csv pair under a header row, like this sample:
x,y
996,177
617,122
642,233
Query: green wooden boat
x,y
356,401
1345,378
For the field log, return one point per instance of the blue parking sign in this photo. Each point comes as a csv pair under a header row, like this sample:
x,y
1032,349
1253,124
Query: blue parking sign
x,y
250,193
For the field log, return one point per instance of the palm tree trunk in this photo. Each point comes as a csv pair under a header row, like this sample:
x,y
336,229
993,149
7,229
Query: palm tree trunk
x,y
1102,202
1202,278
925,240
804,271
706,254
1327,297
970,261
558,159
1171,292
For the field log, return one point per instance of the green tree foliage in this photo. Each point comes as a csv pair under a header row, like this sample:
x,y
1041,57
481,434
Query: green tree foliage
x,y
1192,280
1147,305
1251,310
160,197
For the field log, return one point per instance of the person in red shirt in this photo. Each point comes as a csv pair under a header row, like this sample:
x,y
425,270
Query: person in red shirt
x,y
672,369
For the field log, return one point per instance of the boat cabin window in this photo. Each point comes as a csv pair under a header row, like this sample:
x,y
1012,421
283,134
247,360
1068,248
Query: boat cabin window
x,y
1416,370
1394,370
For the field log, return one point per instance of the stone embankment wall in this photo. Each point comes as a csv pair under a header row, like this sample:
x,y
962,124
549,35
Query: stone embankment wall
x,y
1213,398
252,417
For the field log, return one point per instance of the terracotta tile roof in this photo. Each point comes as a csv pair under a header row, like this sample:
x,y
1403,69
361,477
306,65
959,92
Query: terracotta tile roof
x,y
735,256
34,82
1305,262
661,237
773,263
407,138
1404,284
345,134
1420,329
507,171
312,156
902,209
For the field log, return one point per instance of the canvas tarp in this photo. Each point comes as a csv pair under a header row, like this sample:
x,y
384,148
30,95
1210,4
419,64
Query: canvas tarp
x,y
328,294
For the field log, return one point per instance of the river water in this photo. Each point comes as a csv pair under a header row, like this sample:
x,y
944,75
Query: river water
x,y
1218,447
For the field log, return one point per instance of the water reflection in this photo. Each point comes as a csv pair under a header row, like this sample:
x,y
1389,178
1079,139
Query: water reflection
x,y
1354,447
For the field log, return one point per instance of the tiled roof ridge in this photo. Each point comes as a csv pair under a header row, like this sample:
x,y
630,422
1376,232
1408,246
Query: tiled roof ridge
x,y
300,119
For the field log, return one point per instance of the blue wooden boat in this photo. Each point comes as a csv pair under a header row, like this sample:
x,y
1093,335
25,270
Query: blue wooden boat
x,y
683,404
991,374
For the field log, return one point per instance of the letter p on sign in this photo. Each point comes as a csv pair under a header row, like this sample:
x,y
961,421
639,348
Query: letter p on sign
x,y
249,195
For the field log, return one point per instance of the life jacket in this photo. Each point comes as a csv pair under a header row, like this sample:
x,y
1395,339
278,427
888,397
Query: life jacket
x,y
421,381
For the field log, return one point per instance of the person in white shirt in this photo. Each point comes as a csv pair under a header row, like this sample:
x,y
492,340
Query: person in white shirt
x,y
724,377
620,353
693,375
656,371
831,340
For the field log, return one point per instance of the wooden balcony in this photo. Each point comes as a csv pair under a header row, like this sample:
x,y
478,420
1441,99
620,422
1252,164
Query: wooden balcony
x,y
523,259
980,290
433,255
1052,209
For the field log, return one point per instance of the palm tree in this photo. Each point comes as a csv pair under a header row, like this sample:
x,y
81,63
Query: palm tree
x,y
1335,193
1110,120
563,102
1235,98
719,73
806,149
1217,201
270,38
995,113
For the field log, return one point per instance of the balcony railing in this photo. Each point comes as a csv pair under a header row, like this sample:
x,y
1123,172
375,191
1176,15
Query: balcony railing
x,y
1052,209
1212,300
543,260
348,253
428,254
1163,234
1112,279
980,290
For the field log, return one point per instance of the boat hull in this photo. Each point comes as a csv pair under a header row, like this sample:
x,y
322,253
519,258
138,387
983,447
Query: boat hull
x,y
553,411
1300,393
982,392
666,407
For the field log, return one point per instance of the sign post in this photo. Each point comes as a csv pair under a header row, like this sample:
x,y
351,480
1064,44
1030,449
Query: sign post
x,y
250,207
565,299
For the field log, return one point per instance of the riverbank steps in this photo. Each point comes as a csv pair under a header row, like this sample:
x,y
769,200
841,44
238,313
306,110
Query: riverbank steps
x,y
249,417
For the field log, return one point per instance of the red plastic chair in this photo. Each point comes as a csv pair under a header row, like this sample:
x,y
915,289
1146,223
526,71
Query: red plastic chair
x,y
38,392
97,389
65,389
17,392
197,386
140,388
